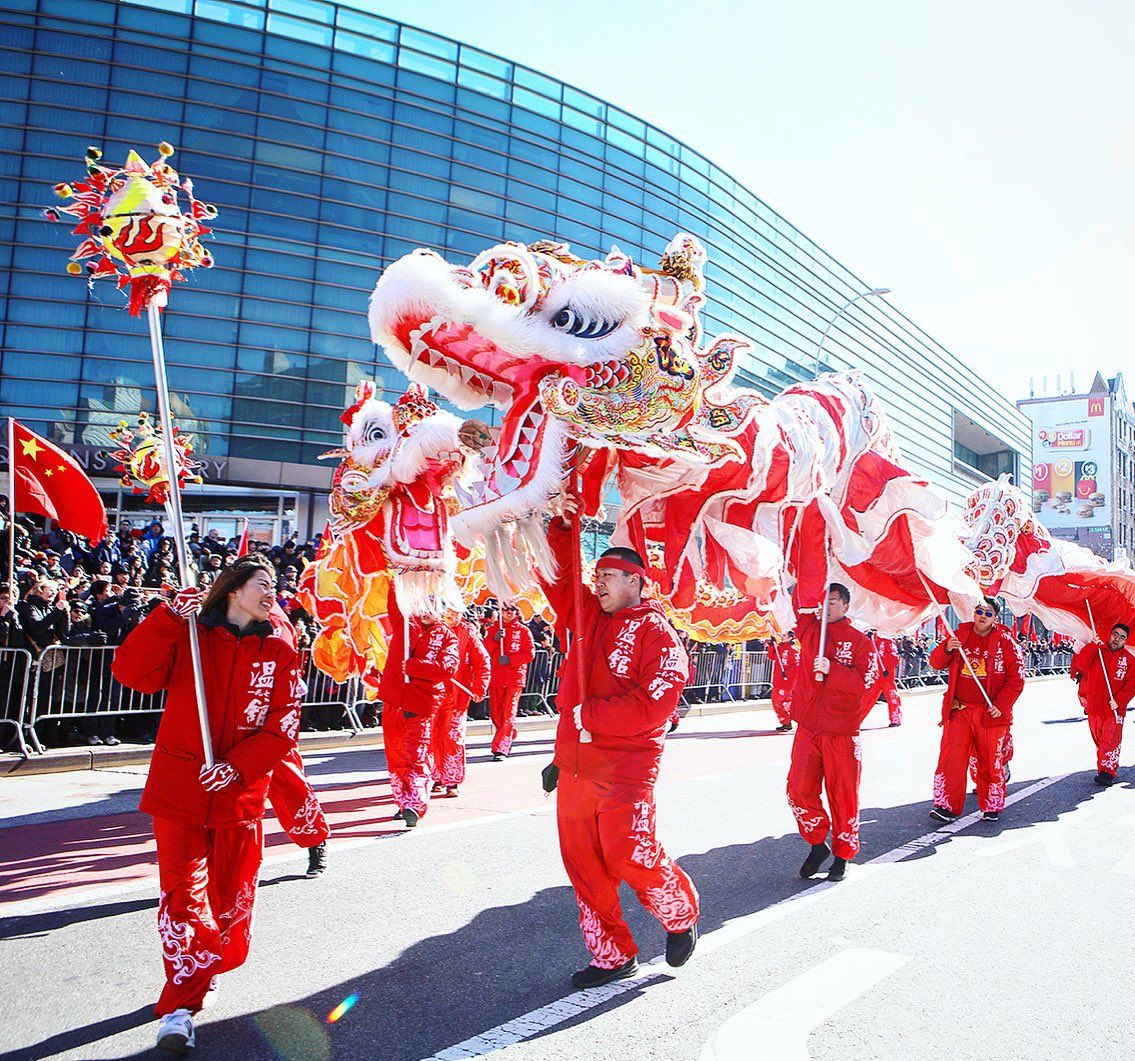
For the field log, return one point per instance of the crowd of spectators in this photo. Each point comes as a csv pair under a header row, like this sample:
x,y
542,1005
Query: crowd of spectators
x,y
74,594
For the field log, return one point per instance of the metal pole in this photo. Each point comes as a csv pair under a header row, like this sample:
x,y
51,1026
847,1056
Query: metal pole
x,y
841,311
173,508
577,581
13,588
1103,662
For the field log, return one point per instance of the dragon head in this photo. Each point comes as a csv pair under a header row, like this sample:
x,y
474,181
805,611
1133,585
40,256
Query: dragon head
x,y
602,352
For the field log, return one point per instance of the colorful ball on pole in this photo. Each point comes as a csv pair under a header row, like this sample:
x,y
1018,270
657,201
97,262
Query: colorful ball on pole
x,y
136,225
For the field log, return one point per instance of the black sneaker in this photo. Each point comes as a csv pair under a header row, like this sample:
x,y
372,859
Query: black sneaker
x,y
838,869
990,816
317,859
943,814
680,945
1101,780
411,817
396,816
497,757
1108,780
894,724
786,728
1008,774
816,858
595,977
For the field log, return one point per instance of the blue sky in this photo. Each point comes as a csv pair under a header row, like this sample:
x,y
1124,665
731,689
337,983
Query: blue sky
x,y
976,157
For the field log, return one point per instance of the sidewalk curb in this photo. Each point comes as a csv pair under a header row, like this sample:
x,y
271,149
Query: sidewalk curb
x,y
61,760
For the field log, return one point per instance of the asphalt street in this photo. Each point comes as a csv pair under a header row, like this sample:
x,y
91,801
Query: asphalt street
x,y
1009,939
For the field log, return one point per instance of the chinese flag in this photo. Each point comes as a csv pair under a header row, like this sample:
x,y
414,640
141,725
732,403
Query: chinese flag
x,y
50,482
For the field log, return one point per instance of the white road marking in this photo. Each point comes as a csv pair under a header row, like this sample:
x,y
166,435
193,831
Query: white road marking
x,y
555,1013
783,1019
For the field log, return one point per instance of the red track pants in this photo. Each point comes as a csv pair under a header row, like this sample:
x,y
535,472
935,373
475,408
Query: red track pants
x,y
782,703
1108,735
607,836
503,702
448,746
407,742
208,888
894,706
963,736
834,763
296,804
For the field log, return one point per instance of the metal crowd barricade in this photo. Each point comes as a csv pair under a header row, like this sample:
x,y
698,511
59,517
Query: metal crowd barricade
x,y
324,692
754,678
74,682
542,682
15,672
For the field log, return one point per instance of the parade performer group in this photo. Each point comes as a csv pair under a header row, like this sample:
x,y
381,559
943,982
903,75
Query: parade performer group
x,y
741,516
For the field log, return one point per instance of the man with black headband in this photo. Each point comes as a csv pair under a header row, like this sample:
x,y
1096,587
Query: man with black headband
x,y
608,748
986,676
1106,676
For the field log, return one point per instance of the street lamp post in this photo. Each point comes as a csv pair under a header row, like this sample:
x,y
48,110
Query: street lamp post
x,y
839,313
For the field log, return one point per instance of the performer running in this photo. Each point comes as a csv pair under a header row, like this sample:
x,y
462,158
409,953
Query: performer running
x,y
510,647
635,671
470,683
1105,699
970,726
785,667
413,691
887,653
826,750
208,823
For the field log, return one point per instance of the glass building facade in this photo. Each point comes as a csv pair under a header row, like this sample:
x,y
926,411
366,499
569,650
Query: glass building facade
x,y
333,141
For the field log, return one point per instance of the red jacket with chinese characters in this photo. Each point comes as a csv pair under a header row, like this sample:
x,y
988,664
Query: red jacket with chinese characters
x,y
785,658
1086,667
888,653
1000,670
513,640
420,684
253,689
635,669
839,704
473,667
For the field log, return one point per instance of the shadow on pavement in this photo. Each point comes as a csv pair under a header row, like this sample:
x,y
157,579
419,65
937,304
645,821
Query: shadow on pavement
x,y
509,960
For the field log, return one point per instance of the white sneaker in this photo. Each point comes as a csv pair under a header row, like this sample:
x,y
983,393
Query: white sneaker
x,y
175,1033
212,994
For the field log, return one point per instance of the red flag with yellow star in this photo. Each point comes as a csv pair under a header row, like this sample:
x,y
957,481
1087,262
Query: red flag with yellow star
x,y
50,482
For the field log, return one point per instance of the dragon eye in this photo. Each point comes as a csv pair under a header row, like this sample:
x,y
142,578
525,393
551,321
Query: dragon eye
x,y
374,433
574,323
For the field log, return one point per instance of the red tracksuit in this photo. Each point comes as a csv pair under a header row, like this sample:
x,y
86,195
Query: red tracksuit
x,y
295,803
449,726
511,642
210,843
888,654
826,750
635,671
968,728
1107,733
785,665
412,694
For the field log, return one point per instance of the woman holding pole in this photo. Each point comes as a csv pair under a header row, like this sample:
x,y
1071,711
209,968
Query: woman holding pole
x,y
207,798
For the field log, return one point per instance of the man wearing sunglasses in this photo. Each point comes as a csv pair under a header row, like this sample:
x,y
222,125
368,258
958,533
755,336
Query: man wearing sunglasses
x,y
977,711
1105,698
